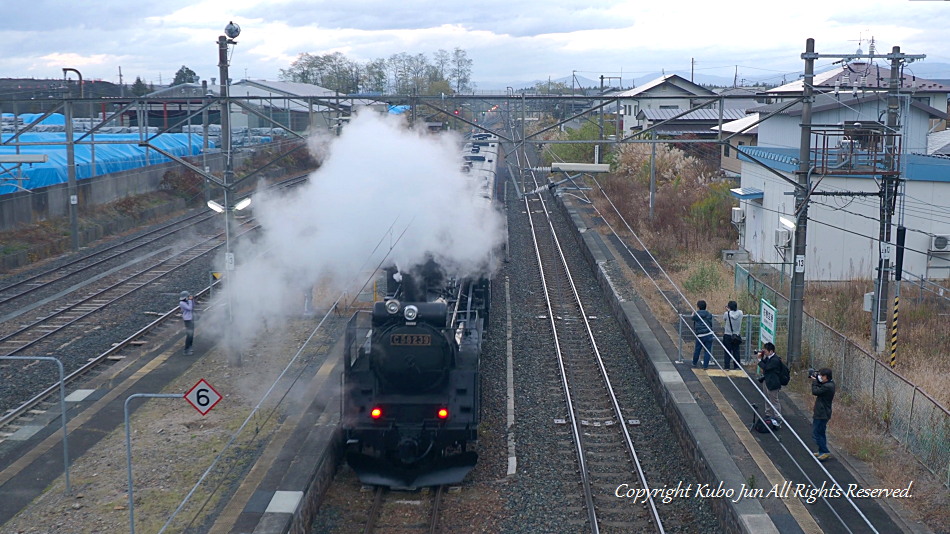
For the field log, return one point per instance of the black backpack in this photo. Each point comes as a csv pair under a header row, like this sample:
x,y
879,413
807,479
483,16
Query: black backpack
x,y
784,375
762,423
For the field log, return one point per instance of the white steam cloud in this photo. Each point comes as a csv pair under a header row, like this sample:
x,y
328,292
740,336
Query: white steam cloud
x,y
381,187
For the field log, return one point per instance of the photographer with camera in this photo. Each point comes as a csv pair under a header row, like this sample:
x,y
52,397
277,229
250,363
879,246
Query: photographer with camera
x,y
186,303
771,379
823,388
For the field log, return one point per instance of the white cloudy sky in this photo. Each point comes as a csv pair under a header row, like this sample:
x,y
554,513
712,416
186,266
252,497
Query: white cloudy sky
x,y
509,41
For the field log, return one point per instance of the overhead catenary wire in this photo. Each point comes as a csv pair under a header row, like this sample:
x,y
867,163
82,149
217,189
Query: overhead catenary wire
x,y
747,377
279,401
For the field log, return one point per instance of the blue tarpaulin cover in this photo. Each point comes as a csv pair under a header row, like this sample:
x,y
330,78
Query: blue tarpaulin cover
x,y
109,157
29,118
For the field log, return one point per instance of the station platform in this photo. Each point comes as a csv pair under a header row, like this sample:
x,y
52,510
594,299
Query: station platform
x,y
269,497
758,482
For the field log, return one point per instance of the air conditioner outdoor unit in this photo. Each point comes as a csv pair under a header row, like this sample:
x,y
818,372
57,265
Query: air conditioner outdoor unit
x,y
940,243
783,237
738,215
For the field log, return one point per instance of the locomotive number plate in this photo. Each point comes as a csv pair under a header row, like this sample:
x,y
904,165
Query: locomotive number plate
x,y
412,340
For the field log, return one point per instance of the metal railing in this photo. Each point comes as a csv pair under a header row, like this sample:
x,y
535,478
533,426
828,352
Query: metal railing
x,y
910,415
749,332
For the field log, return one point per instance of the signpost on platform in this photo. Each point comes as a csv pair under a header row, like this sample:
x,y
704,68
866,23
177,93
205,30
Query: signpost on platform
x,y
767,322
203,397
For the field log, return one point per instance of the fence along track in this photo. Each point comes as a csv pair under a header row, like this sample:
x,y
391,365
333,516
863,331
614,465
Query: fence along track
x,y
797,437
596,420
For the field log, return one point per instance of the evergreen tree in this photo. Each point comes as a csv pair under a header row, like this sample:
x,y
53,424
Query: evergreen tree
x,y
139,88
185,75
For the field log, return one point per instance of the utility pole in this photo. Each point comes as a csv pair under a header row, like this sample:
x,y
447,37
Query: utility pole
x,y
888,201
231,31
888,193
597,147
71,176
797,297
225,111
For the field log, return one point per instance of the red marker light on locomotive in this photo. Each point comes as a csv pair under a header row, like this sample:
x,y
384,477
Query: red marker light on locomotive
x,y
443,413
376,413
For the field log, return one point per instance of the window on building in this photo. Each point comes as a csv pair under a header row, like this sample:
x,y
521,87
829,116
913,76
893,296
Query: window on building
x,y
726,150
669,107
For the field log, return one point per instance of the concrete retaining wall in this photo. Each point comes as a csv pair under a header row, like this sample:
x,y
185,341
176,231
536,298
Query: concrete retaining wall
x,y
322,478
51,202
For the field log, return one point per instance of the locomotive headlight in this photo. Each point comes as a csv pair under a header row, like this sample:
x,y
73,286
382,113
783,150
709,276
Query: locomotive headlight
x,y
376,413
392,306
410,313
443,413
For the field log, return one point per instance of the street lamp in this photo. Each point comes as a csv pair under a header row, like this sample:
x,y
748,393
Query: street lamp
x,y
231,31
68,69
228,255
218,208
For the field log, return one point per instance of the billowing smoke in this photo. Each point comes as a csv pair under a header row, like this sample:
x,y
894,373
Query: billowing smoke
x,y
384,195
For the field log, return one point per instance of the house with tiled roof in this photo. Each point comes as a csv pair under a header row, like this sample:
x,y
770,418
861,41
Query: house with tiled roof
x,y
674,122
861,78
669,93
851,149
743,132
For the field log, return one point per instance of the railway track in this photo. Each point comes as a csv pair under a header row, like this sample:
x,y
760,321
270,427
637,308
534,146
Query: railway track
x,y
43,283
399,512
604,449
56,307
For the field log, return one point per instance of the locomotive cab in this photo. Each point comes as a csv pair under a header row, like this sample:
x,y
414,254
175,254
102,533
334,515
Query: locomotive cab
x,y
410,399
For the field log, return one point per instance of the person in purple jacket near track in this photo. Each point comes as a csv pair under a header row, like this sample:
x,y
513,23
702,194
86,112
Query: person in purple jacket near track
x,y
186,303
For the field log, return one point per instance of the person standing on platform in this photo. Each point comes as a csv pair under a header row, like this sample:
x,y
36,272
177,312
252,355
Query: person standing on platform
x,y
771,365
823,388
731,337
702,327
186,303
308,300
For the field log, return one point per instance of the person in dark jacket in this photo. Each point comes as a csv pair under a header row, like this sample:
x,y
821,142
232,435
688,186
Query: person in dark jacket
x,y
771,381
702,327
731,329
186,303
823,388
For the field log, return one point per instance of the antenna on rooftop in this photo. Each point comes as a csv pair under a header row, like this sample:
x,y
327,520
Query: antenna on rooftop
x,y
859,51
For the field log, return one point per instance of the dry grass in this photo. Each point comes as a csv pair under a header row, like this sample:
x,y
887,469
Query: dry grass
x,y
689,253
853,428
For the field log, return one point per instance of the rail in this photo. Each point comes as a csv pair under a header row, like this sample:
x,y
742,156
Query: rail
x,y
574,340
910,415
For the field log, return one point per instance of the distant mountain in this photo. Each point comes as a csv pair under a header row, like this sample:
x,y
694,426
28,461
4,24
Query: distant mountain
x,y
922,69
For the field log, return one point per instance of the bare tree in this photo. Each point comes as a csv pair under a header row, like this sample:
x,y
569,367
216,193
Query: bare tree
x,y
400,73
461,70
442,62
332,71
374,76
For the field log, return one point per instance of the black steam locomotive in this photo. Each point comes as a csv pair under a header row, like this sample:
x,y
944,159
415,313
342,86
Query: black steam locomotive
x,y
411,381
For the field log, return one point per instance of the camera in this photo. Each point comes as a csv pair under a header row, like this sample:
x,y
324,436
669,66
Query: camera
x,y
812,372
